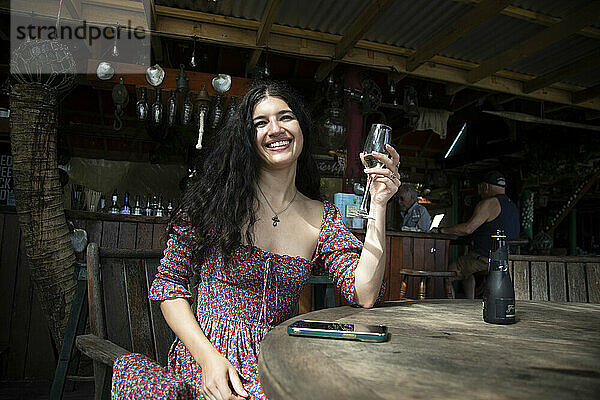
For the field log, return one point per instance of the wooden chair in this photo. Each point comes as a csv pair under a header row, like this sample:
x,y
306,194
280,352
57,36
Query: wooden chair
x,y
122,319
424,277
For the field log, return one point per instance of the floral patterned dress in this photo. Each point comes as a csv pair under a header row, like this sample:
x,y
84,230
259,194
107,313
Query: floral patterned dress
x,y
237,305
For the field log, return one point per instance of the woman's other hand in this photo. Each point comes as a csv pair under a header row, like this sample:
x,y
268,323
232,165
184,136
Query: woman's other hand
x,y
220,379
386,179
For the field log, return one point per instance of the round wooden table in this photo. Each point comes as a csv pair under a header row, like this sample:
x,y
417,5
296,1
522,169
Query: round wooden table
x,y
441,349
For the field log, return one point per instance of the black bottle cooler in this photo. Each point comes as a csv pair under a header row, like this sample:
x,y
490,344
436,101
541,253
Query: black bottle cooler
x,y
499,295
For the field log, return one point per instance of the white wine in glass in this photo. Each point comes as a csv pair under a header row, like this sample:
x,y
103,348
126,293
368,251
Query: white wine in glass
x,y
378,137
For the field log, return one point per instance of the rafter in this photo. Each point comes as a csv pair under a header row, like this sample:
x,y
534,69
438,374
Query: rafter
x,y
586,94
460,28
581,65
573,23
150,13
264,30
355,32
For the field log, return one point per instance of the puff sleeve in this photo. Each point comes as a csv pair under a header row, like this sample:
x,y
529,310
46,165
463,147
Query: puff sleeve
x,y
338,253
175,269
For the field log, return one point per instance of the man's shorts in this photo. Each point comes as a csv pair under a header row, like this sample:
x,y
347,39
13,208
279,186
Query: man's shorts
x,y
471,263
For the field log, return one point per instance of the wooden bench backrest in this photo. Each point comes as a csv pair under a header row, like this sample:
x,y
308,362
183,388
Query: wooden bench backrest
x,y
575,279
118,283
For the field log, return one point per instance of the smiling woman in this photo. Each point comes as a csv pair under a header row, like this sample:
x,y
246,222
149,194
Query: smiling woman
x,y
253,230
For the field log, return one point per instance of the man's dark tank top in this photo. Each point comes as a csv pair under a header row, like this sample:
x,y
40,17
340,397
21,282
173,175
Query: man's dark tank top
x,y
507,220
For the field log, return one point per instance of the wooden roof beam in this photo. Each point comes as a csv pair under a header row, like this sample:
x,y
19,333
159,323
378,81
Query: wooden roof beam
x,y
586,94
264,30
150,13
460,28
581,65
355,32
537,18
229,31
568,26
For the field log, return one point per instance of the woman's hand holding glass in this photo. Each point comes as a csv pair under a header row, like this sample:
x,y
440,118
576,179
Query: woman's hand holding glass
x,y
385,179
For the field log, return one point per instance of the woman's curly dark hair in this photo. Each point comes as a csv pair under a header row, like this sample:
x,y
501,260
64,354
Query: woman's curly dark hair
x,y
223,200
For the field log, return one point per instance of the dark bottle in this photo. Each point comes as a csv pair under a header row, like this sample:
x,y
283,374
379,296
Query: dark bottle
x,y
126,208
499,295
169,208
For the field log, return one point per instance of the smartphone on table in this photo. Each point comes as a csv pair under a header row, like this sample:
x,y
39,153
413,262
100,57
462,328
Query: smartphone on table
x,y
338,330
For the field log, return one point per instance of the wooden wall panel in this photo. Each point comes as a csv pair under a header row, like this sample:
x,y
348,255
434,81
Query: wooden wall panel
x,y
576,282
8,262
539,281
127,232
557,281
521,280
593,280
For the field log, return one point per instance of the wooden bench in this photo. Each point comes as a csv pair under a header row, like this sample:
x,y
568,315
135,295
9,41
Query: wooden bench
x,y
574,279
122,319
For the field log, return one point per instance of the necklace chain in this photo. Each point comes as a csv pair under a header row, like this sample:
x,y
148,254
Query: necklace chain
x,y
275,217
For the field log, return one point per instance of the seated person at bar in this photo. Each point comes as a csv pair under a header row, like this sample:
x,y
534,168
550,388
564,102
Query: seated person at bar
x,y
414,215
253,229
495,211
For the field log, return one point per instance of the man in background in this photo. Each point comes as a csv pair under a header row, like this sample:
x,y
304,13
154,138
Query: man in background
x,y
495,211
414,215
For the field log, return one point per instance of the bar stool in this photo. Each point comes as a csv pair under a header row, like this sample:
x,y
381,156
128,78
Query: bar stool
x,y
424,278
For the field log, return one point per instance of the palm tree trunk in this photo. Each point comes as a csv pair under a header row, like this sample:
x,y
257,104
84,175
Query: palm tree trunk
x,y
39,204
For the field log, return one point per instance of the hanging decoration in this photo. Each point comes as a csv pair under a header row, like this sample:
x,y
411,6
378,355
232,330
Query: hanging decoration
x,y
155,75
193,60
105,71
120,98
157,109
203,104
221,83
182,80
188,110
141,107
172,109
115,49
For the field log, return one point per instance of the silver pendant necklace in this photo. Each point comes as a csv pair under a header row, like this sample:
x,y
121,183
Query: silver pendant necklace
x,y
275,217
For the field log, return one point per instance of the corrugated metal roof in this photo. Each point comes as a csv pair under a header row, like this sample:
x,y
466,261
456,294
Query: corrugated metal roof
x,y
330,16
558,55
411,23
495,36
554,8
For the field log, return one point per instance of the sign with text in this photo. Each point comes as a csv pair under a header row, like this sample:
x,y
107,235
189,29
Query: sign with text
x,y
7,194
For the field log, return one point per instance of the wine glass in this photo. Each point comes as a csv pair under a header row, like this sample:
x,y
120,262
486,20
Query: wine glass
x,y
378,137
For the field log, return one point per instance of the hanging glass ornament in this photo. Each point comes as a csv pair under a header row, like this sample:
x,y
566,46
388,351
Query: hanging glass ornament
x,y
141,107
221,83
203,105
115,49
155,75
193,60
157,108
182,80
105,71
120,97
172,108
216,112
188,110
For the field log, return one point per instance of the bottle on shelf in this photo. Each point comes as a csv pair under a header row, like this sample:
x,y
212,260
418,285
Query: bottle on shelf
x,y
126,208
114,207
102,207
149,212
137,209
499,294
169,208
159,208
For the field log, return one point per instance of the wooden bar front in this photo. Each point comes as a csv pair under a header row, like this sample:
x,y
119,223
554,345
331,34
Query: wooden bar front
x,y
409,250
